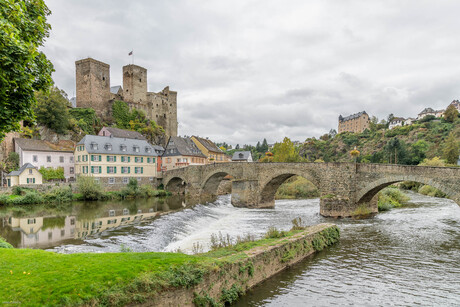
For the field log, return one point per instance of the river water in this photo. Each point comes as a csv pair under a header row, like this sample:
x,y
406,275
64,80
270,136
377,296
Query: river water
x,y
405,257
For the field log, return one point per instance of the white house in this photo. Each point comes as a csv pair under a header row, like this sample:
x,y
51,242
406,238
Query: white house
x,y
409,121
430,111
27,174
46,154
396,122
242,156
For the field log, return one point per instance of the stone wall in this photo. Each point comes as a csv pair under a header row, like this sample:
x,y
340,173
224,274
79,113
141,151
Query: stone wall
x,y
260,264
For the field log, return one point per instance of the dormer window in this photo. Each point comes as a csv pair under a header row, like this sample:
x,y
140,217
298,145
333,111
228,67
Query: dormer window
x,y
123,147
241,155
94,146
148,149
108,146
136,148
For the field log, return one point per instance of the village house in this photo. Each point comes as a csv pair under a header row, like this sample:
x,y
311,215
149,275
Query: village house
x,y
430,111
396,122
115,160
46,154
27,174
242,156
128,134
182,152
409,121
355,123
456,104
210,150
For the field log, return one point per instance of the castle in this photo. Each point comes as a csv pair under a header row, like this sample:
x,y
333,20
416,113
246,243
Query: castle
x,y
94,91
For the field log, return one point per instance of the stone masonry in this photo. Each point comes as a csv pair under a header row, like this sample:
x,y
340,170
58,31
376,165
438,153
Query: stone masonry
x,y
93,91
345,188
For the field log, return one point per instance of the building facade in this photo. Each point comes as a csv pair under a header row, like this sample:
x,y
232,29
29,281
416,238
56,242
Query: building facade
x,y
46,154
242,156
115,160
355,123
182,152
94,91
210,150
396,122
27,174
430,111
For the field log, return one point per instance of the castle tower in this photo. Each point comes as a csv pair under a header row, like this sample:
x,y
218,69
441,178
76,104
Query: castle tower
x,y
93,85
135,84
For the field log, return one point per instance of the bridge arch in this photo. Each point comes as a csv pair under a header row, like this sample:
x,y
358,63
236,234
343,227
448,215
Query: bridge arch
x,y
270,186
211,183
368,192
176,185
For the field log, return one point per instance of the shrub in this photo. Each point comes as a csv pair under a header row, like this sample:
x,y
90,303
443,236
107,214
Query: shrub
x,y
30,198
59,195
4,199
4,244
274,233
391,197
431,191
89,188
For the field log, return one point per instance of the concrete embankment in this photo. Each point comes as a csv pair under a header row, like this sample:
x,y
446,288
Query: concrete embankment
x,y
243,270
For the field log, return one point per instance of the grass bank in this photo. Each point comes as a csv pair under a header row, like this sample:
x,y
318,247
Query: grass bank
x,y
297,187
87,190
37,278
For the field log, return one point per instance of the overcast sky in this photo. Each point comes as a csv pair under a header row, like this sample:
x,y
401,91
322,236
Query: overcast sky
x,y
248,70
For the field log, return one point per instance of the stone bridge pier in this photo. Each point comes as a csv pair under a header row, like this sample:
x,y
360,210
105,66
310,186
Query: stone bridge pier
x,y
346,189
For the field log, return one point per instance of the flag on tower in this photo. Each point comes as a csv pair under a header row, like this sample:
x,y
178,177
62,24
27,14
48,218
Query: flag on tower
x,y
130,53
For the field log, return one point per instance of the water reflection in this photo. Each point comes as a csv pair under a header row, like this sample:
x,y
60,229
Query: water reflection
x,y
47,229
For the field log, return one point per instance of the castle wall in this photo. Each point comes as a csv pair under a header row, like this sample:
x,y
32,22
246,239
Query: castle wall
x,y
135,84
93,85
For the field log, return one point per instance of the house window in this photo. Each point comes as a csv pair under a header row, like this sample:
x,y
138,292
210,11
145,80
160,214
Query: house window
x,y
50,235
125,211
71,159
94,146
72,221
61,159
108,146
96,169
125,180
139,179
138,170
111,169
62,232
110,158
136,148
148,149
123,147
48,159
35,158
30,171
72,170
30,221
111,212
125,169
96,158
151,178
111,180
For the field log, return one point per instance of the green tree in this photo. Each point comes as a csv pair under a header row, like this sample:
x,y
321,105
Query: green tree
x,y
23,68
264,146
12,162
451,149
285,152
451,114
52,109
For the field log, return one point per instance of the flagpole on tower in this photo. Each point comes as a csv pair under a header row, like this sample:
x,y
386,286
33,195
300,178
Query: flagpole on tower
x,y
131,53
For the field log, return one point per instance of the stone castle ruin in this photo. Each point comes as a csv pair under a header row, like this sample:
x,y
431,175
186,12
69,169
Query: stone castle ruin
x,y
94,91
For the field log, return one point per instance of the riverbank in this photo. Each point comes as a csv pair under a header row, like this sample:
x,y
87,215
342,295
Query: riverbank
x,y
156,278
87,189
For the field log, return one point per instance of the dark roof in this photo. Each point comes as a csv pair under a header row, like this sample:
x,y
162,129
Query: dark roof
x,y
208,144
23,168
122,133
427,110
182,146
116,143
241,155
40,145
352,116
395,119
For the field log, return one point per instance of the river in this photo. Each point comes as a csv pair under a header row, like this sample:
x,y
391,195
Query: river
x,y
407,256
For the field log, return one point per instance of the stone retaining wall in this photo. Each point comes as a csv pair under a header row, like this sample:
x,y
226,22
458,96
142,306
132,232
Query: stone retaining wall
x,y
262,262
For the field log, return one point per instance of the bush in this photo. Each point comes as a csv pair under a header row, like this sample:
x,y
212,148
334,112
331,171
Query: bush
x,y
4,244
4,199
89,188
274,233
59,195
431,191
30,198
391,197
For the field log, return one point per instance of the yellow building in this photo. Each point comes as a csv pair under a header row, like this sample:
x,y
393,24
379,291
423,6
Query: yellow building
x,y
210,150
27,174
355,123
114,160
181,152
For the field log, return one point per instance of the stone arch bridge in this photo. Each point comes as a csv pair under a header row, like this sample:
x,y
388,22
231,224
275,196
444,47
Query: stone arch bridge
x,y
345,188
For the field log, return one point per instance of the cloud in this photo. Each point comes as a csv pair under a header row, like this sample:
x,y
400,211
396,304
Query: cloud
x,y
248,70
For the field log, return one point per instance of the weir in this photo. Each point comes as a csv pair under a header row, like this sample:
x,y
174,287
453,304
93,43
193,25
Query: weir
x,y
345,188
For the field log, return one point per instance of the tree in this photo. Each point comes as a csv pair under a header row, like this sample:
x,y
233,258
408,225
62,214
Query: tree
x,y
12,162
237,146
451,114
264,146
23,68
332,133
52,109
285,152
451,149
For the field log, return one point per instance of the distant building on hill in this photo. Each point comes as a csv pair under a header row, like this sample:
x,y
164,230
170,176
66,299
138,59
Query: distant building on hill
x,y
396,122
355,123
456,104
409,121
430,111
209,149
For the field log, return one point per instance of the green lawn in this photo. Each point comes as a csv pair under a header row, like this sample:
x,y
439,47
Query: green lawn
x,y
36,277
